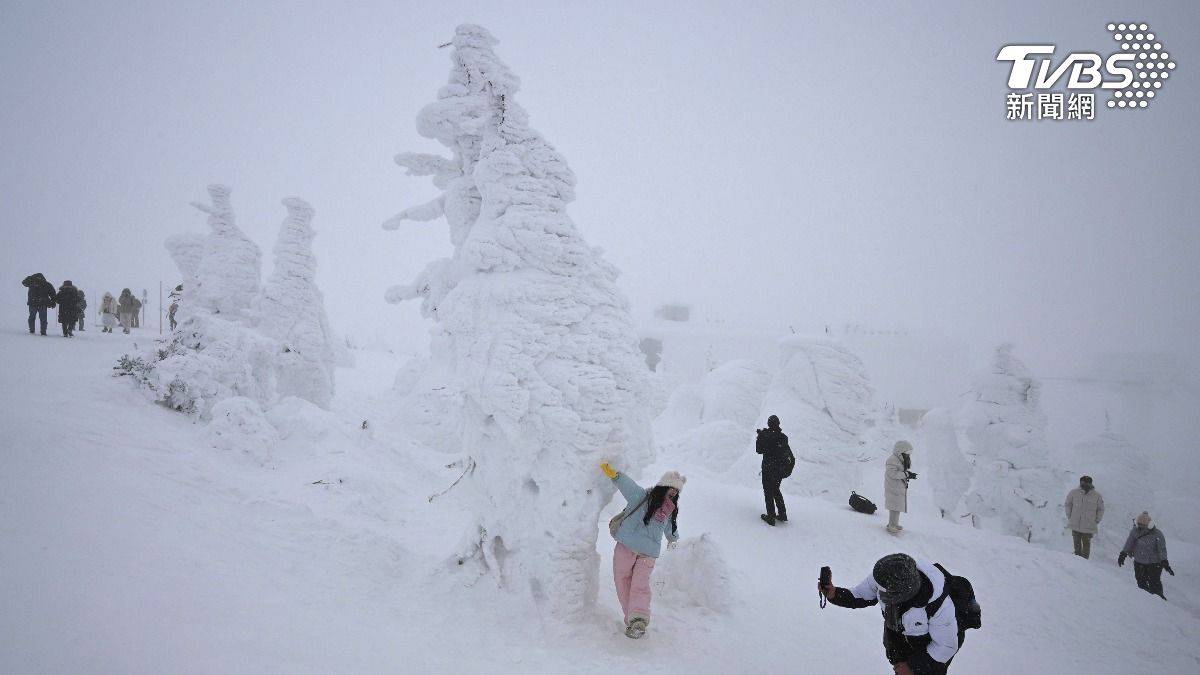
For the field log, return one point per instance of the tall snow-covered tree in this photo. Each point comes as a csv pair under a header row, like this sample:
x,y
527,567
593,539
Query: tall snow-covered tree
x,y
292,311
230,269
1014,489
537,338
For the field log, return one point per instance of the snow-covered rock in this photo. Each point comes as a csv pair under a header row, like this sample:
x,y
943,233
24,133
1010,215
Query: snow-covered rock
x,y
538,339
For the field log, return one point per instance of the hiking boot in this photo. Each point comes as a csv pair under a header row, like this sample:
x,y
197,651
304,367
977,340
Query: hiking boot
x,y
637,628
770,520
781,518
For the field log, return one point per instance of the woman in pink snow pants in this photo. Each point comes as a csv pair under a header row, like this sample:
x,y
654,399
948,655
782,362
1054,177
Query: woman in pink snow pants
x,y
649,515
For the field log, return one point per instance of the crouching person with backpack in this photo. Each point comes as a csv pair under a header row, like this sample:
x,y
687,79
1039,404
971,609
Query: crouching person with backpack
x,y
639,529
926,611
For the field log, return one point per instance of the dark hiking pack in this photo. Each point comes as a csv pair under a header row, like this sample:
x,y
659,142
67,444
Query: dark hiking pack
x,y
861,504
789,461
967,612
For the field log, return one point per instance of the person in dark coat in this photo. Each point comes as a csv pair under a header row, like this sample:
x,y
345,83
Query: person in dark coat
x,y
68,308
41,298
82,307
772,444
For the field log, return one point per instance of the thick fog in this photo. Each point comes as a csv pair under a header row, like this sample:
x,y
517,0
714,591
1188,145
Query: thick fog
x,y
785,164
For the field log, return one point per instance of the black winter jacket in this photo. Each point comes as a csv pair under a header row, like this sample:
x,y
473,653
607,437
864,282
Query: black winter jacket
x,y
68,304
41,292
772,444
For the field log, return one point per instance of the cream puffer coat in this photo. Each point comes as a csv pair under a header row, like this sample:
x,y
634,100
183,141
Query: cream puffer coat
x,y
895,479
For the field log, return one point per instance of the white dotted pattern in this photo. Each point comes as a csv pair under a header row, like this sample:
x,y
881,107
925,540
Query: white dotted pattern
x,y
1150,63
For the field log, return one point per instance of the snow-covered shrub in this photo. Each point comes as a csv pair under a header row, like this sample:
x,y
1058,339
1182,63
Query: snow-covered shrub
x,y
239,425
947,471
537,339
1014,489
694,575
292,311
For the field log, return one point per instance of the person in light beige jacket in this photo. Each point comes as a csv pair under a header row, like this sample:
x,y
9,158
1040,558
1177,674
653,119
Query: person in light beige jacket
x,y
1085,510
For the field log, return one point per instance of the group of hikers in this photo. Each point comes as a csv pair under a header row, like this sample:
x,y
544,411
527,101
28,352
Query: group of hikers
x,y
926,609
1146,544
71,302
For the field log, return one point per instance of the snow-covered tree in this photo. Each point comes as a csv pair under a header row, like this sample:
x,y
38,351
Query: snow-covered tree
x,y
947,472
230,268
292,311
823,397
215,353
186,249
1014,488
537,338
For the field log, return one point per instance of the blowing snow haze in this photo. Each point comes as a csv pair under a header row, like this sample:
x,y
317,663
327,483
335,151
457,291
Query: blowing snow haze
x,y
460,283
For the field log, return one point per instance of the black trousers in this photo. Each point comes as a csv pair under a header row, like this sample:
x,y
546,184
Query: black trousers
x,y
772,495
1149,577
37,312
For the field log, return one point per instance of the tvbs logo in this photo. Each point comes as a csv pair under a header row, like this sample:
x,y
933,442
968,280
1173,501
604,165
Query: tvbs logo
x,y
1133,75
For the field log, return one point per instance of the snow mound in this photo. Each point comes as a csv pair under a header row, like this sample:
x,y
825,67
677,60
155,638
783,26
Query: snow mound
x,y
695,574
734,392
294,417
238,425
714,446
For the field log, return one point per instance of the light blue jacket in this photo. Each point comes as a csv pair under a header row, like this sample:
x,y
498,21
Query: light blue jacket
x,y
637,536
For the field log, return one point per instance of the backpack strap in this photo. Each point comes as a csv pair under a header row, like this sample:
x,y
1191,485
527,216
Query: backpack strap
x,y
933,606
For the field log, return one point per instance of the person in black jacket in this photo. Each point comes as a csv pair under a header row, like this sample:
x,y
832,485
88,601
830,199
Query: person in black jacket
x,y
41,298
777,459
68,308
921,634
81,313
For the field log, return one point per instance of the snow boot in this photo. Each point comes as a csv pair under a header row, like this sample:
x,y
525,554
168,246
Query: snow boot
x,y
636,629
781,518
770,520
893,530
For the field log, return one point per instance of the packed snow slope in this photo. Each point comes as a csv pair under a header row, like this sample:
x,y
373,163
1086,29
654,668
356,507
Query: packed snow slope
x,y
132,545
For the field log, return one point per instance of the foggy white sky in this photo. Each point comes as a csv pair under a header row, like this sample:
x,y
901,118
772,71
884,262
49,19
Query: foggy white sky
x,y
785,163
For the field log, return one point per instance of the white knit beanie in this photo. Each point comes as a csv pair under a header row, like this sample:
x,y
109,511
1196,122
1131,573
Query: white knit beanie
x,y
1144,519
672,479
902,447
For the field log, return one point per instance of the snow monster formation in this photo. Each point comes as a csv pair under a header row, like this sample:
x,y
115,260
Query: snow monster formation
x,y
234,340
291,310
533,333
1002,431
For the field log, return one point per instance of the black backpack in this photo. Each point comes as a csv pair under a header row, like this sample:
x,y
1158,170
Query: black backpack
x,y
789,460
861,504
967,612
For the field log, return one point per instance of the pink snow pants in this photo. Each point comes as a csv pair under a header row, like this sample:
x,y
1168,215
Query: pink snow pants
x,y
631,572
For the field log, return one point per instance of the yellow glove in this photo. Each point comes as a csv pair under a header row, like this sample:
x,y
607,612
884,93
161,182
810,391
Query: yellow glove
x,y
608,470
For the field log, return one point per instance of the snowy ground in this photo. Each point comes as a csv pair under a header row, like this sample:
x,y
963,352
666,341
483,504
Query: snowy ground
x,y
131,545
